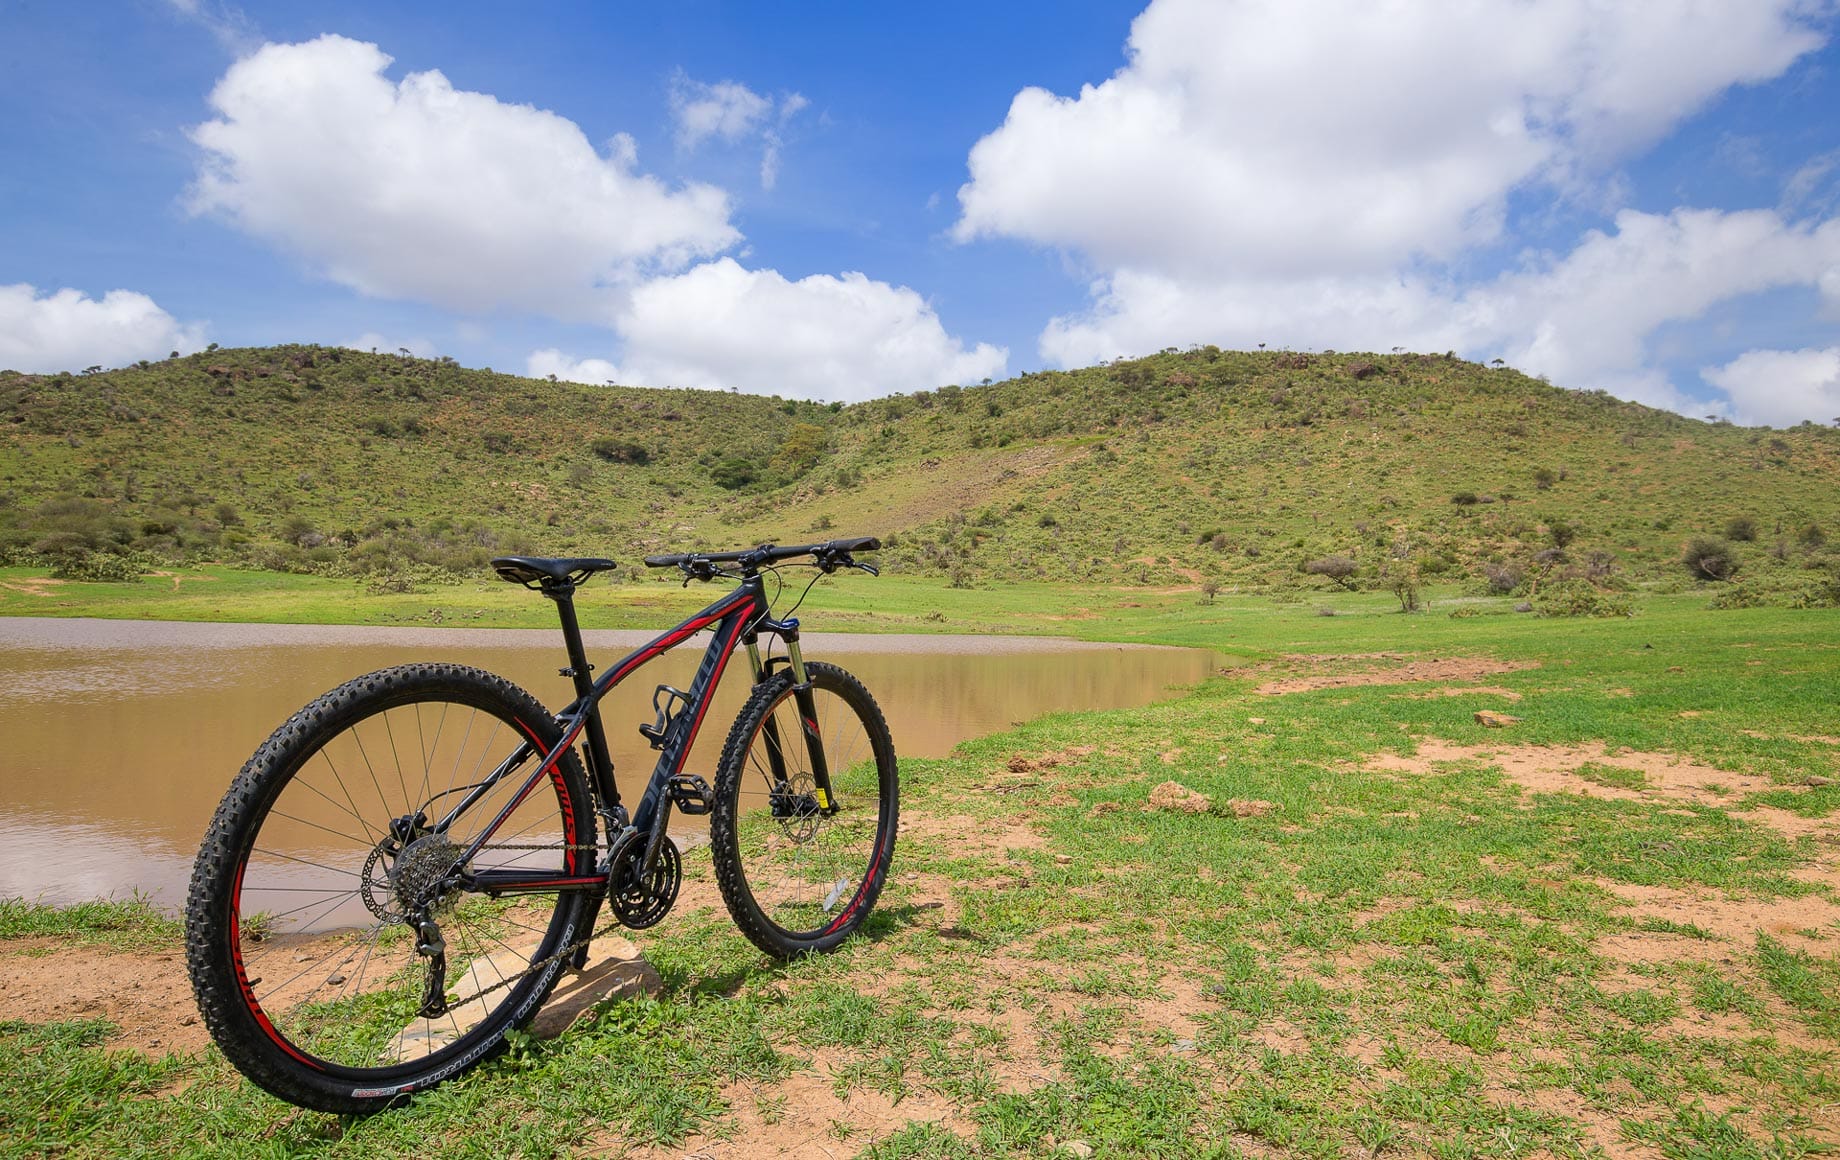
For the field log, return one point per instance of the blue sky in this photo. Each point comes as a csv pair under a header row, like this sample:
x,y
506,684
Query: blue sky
x,y
847,200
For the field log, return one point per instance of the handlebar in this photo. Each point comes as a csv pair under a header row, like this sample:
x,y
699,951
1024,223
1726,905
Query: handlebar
x,y
830,556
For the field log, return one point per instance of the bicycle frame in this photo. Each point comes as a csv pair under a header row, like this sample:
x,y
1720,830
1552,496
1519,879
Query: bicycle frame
x,y
737,618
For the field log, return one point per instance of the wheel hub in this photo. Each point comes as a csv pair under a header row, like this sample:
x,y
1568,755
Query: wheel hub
x,y
795,804
397,879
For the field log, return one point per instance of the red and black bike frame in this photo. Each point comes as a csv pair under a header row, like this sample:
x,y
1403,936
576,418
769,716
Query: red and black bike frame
x,y
737,619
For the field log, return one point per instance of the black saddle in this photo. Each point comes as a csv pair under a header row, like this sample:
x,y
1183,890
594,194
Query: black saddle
x,y
543,572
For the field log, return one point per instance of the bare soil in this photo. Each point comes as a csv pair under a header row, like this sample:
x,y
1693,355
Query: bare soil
x,y
1312,671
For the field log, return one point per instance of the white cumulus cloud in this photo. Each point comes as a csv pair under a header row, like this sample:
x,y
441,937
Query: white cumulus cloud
x,y
727,109
732,112
720,325
415,189
68,330
1335,136
1781,387
1583,318
1318,173
549,362
371,340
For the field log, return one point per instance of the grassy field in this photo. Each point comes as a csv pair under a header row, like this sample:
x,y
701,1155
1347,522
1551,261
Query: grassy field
x,y
1610,928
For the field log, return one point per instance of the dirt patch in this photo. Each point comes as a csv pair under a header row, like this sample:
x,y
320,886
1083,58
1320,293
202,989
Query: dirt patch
x,y
34,585
1172,795
1453,691
793,1120
1596,771
1735,921
147,996
1334,672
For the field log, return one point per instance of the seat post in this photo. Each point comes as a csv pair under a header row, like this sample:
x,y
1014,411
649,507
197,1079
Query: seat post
x,y
583,675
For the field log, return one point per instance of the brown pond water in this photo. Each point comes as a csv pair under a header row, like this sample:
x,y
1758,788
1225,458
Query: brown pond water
x,y
117,738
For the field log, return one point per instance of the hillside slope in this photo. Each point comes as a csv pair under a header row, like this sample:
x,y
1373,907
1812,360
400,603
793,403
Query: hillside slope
x,y
1184,467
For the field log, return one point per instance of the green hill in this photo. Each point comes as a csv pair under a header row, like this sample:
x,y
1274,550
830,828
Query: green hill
x,y
1234,468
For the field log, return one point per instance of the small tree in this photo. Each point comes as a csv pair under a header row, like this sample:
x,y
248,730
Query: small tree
x,y
1209,590
1741,528
1337,568
1402,579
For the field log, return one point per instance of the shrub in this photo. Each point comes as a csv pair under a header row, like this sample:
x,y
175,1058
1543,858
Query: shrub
x,y
497,442
1562,532
102,566
1464,498
1741,528
1824,593
1737,596
620,451
1812,536
1544,477
1502,578
1337,568
1710,559
1576,598
733,473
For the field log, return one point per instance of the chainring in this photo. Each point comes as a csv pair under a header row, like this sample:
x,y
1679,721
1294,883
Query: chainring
x,y
641,900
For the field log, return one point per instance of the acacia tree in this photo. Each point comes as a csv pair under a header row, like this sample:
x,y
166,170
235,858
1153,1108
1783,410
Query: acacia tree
x,y
1337,568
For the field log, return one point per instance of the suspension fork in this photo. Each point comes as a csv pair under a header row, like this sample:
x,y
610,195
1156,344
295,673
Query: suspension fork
x,y
806,703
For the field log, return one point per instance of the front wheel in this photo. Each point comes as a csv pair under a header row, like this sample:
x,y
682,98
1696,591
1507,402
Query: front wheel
x,y
801,864
343,949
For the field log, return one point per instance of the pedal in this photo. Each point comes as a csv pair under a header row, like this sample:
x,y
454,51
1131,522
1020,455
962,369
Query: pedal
x,y
674,702
689,793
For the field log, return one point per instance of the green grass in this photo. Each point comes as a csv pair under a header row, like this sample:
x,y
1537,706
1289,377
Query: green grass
x,y
124,923
1406,963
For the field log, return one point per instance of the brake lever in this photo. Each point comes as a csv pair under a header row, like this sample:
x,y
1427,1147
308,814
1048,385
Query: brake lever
x,y
871,569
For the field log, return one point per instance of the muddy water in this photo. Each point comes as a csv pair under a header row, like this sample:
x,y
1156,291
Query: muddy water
x,y
117,738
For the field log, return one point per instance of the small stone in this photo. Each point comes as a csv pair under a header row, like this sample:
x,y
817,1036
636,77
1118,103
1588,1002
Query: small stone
x,y
1490,719
1182,1045
1817,780
189,1021
1080,1148
1063,859
1255,720
334,980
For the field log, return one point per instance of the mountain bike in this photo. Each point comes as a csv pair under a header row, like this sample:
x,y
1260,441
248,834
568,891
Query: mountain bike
x,y
395,880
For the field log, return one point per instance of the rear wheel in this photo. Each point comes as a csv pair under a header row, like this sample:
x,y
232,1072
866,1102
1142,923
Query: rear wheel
x,y
800,868
338,958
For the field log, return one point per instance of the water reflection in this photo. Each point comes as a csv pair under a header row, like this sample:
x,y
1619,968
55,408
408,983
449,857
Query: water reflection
x,y
121,736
